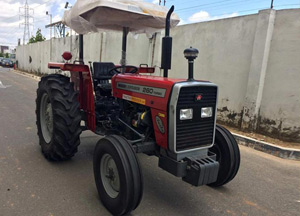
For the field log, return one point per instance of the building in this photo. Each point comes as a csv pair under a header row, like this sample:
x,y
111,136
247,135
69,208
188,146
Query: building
x,y
3,48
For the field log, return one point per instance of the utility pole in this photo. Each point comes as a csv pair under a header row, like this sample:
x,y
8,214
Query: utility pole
x,y
47,13
165,1
66,7
272,4
25,12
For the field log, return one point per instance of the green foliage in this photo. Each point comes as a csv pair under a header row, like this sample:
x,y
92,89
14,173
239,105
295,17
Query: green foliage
x,y
32,40
1,55
38,37
6,55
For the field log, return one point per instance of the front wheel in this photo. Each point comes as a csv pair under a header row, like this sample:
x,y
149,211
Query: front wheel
x,y
117,175
228,156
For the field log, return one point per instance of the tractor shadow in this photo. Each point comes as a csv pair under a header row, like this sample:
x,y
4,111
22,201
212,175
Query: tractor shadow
x,y
167,193
163,193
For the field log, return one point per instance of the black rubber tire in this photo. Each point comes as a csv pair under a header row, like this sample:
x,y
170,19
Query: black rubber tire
x,y
228,156
130,175
66,117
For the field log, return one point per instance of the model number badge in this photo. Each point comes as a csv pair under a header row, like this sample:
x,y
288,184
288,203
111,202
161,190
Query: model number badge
x,y
198,97
148,90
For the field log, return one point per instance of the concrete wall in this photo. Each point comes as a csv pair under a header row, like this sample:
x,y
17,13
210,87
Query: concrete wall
x,y
225,49
44,52
280,108
254,59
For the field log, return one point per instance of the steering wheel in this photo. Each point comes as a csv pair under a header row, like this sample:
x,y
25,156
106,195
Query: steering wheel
x,y
119,69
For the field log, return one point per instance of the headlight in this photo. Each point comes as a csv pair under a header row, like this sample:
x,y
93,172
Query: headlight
x,y
186,114
206,112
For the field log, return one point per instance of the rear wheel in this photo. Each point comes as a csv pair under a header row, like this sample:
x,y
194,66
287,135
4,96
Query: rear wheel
x,y
58,117
117,174
228,156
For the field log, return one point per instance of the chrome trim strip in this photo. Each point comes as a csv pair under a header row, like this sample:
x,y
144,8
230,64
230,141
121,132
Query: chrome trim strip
x,y
172,113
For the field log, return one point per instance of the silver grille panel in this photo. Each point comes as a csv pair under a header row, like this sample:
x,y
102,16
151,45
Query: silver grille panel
x,y
198,133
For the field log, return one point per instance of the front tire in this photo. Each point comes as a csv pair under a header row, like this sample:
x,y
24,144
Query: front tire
x,y
58,117
117,175
228,156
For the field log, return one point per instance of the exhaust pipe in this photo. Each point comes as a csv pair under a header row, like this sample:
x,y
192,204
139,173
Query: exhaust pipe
x,y
166,55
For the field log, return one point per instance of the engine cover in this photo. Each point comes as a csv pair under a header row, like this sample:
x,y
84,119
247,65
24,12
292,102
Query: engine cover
x,y
150,91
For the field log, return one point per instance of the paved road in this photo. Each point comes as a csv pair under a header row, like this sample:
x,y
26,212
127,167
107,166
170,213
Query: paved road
x,y
30,185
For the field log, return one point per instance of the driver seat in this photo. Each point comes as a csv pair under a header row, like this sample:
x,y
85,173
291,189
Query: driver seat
x,y
102,76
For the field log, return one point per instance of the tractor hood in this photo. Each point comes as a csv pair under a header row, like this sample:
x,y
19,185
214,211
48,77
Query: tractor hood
x,y
101,15
152,91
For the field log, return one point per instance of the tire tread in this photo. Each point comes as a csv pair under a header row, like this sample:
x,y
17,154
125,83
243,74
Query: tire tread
x,y
66,117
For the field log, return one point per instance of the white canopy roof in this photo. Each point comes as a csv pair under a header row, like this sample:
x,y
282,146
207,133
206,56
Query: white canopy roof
x,y
100,15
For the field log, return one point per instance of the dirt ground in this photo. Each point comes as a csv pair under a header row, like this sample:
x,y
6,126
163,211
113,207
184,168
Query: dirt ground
x,y
261,137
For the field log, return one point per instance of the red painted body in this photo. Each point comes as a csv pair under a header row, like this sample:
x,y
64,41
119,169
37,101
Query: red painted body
x,y
151,81
81,76
158,105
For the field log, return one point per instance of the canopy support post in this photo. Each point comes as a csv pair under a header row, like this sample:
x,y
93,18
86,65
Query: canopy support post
x,y
124,45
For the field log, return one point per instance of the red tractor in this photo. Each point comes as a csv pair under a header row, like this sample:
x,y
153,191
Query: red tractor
x,y
173,119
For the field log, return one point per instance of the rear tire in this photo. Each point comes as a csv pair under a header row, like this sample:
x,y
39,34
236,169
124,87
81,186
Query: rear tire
x,y
228,156
117,175
58,117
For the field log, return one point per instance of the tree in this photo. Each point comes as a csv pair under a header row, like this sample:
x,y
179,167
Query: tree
x,y
6,55
38,37
1,55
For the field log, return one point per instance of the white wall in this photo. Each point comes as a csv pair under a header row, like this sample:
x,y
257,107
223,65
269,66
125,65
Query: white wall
x,y
225,48
254,59
280,108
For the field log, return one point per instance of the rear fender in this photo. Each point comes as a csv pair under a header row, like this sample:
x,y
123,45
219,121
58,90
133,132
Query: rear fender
x,y
82,79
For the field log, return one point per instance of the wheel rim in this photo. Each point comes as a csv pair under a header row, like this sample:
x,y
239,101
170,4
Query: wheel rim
x,y
110,175
46,118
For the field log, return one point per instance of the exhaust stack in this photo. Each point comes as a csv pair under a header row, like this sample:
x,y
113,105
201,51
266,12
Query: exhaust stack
x,y
166,54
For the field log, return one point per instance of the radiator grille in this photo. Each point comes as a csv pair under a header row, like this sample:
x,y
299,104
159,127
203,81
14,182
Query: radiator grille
x,y
197,132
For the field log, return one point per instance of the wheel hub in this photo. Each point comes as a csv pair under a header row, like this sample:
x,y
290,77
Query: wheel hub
x,y
46,118
110,175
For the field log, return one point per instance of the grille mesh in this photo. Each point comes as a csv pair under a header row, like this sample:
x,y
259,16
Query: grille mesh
x,y
197,132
